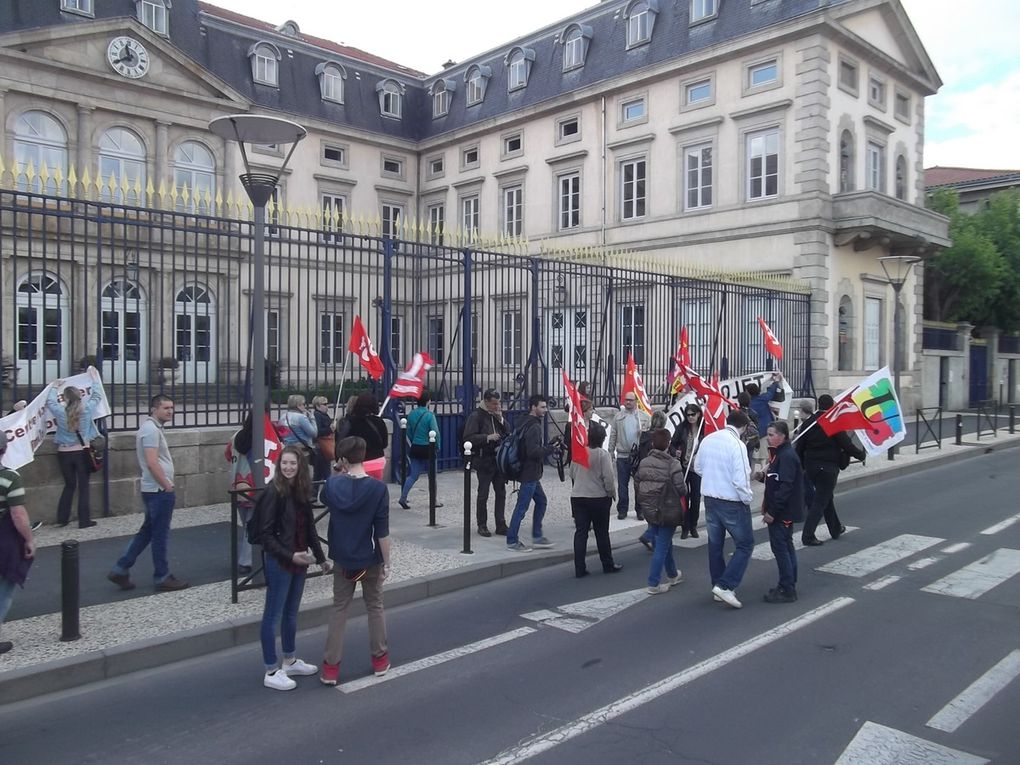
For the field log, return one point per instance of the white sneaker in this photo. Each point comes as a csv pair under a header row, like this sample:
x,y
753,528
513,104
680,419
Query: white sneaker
x,y
673,581
726,596
278,681
656,589
300,668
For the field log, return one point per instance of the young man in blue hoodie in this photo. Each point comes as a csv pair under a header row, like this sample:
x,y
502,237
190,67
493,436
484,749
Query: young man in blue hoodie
x,y
359,545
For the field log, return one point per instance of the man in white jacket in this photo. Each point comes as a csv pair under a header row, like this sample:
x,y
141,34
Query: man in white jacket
x,y
726,489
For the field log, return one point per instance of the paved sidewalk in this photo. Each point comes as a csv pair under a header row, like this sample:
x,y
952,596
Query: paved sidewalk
x,y
124,632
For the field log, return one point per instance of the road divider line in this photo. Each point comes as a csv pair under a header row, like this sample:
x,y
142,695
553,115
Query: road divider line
x,y
763,550
592,720
436,660
977,694
1002,525
871,559
974,580
881,584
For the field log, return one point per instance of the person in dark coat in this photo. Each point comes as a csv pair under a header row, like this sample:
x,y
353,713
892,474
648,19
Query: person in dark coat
x,y
485,428
823,456
783,506
684,445
363,421
532,454
17,545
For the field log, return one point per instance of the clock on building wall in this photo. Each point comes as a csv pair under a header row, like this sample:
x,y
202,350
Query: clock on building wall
x,y
128,57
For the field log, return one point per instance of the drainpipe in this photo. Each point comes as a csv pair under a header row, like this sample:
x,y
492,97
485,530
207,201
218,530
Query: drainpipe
x,y
604,179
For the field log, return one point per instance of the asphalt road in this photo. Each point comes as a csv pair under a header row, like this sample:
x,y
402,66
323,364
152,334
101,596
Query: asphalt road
x,y
672,678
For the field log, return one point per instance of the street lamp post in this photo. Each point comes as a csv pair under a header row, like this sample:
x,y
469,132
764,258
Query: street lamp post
x,y
258,129
897,269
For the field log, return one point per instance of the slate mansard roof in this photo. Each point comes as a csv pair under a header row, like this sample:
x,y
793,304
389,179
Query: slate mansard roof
x,y
220,40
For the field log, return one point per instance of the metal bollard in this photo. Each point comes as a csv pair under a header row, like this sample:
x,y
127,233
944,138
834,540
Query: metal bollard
x,y
467,499
1012,419
432,478
959,430
69,594
402,422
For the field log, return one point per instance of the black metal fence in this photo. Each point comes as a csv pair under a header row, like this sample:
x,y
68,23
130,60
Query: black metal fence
x,y
160,301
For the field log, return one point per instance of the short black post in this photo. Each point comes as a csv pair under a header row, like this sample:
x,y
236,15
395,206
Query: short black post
x,y
1012,419
467,499
403,450
69,595
432,478
959,430
233,547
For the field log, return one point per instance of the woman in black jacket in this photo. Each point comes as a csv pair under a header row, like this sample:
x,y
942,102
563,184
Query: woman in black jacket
x,y
783,506
363,421
683,446
286,532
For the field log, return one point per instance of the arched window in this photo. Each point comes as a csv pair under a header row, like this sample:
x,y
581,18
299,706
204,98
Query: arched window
x,y
442,92
42,310
122,159
40,141
640,21
901,177
194,170
265,63
476,80
390,98
153,13
331,81
195,333
845,334
575,39
518,62
846,161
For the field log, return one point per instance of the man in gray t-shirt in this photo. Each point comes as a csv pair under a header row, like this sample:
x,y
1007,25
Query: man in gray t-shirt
x,y
157,468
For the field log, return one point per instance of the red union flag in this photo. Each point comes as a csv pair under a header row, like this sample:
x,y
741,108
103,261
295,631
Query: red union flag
x,y
632,383
844,415
772,344
361,346
411,382
675,380
715,410
705,390
578,427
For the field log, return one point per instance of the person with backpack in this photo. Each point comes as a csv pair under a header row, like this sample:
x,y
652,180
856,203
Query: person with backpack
x,y
752,435
526,442
420,421
284,527
363,420
485,428
660,490
782,507
643,449
591,498
242,479
628,425
760,401
823,457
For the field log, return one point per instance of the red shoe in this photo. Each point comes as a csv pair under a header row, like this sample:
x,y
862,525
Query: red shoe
x,y
330,673
381,664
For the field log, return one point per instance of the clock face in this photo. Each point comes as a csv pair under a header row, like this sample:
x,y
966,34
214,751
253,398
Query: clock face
x,y
128,57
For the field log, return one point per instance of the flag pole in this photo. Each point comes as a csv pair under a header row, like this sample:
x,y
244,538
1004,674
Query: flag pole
x,y
340,390
794,439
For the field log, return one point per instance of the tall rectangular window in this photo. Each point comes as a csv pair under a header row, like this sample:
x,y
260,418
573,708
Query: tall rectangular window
x,y
513,211
333,209
876,166
872,333
632,188
437,223
632,333
391,217
698,176
273,336
569,201
469,215
397,341
639,26
763,164
331,338
511,338
436,338
755,356
696,314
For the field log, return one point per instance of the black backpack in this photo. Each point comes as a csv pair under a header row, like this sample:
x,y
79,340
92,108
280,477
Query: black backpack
x,y
509,460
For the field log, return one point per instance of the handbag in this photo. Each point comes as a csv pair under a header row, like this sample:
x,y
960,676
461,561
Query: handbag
x,y
95,456
327,447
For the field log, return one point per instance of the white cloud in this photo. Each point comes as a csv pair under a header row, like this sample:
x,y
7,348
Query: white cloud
x,y
976,128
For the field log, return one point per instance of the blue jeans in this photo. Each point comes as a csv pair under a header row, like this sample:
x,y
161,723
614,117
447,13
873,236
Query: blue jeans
x,y
159,511
6,596
781,542
283,599
416,468
623,484
722,515
528,491
662,554
244,513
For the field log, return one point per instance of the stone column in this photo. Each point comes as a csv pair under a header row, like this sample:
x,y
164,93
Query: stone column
x,y
83,151
161,160
6,152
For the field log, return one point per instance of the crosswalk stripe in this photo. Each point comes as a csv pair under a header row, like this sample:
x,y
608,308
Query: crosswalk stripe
x,y
881,584
977,694
1002,525
955,548
974,580
763,550
873,558
920,563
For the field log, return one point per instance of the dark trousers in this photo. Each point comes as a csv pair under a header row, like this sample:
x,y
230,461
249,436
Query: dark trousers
x,y
693,514
591,513
822,476
781,542
76,469
488,476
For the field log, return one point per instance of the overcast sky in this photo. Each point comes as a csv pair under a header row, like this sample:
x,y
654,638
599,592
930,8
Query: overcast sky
x,y
972,122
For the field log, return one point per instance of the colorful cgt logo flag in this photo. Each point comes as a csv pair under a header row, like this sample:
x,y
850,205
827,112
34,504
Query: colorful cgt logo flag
x,y
632,382
578,427
872,409
772,344
682,358
361,346
411,382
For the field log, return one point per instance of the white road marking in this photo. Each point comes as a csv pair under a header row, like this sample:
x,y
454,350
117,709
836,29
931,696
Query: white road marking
x,y
432,661
1002,525
881,584
576,617
592,720
871,559
763,551
876,744
980,692
974,580
955,548
920,563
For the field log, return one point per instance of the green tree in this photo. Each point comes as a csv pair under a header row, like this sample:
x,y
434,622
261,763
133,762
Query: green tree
x,y
1000,222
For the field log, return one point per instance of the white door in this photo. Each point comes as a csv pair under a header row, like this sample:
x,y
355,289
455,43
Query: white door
x,y
124,336
43,333
195,334
567,347
872,333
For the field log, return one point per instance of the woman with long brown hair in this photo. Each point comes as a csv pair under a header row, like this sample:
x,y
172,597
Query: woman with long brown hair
x,y
290,544
75,430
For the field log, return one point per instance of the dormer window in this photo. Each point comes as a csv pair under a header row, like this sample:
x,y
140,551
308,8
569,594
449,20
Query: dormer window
x,y
476,80
265,63
575,39
153,14
703,10
289,29
391,96
331,81
640,21
83,7
518,64
442,92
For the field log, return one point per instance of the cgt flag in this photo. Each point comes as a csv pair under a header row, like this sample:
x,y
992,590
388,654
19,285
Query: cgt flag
x,y
632,382
411,382
578,427
675,380
872,410
772,344
361,346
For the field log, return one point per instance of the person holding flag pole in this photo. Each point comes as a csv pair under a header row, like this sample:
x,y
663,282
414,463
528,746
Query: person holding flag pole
x,y
633,419
361,346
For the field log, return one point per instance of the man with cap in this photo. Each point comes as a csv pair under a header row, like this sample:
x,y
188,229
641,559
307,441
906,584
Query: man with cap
x,y
485,428
17,545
